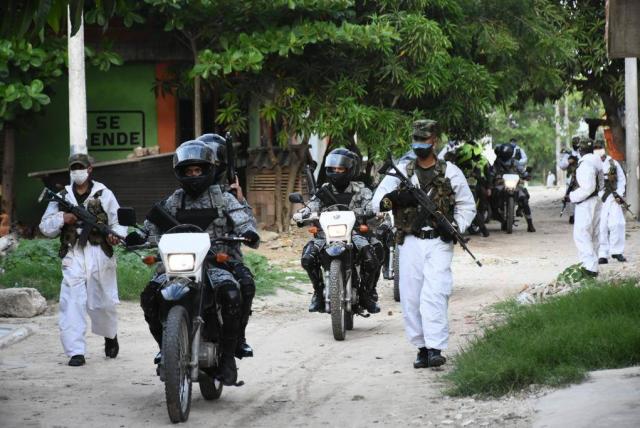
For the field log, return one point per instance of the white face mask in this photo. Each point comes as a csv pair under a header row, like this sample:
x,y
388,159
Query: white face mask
x,y
79,176
599,152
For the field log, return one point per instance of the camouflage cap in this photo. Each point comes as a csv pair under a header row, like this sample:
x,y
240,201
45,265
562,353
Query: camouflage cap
x,y
585,144
599,144
80,158
425,128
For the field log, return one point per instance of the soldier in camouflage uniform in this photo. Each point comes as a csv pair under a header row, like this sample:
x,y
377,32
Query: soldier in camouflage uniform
x,y
612,221
240,271
341,167
426,248
89,283
569,162
204,204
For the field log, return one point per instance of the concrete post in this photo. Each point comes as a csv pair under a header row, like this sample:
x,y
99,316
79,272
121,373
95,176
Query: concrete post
x,y
631,126
77,91
559,172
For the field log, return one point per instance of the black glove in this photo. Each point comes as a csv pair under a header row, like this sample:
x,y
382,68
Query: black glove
x,y
445,233
573,158
401,198
134,238
252,237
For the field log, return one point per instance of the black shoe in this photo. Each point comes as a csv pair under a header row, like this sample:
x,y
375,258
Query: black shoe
x,y
589,273
77,361
371,306
243,349
422,359
228,372
571,219
435,358
317,302
619,257
530,227
485,232
603,261
111,347
158,358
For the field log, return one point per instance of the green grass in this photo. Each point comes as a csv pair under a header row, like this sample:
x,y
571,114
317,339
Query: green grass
x,y
35,264
269,277
553,343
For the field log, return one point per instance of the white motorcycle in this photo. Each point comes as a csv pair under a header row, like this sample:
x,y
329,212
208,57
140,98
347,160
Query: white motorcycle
x,y
339,263
189,312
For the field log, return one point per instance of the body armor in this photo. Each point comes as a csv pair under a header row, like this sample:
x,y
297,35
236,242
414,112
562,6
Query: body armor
x,y
69,235
410,220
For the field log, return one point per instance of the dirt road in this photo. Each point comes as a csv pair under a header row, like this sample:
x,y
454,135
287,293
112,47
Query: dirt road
x,y
300,376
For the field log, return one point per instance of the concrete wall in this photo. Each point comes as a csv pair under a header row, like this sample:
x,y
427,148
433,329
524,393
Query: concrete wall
x,y
121,115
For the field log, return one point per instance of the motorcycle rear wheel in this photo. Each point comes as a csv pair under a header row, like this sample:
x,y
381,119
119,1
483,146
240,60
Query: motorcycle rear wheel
x,y
210,387
336,294
176,351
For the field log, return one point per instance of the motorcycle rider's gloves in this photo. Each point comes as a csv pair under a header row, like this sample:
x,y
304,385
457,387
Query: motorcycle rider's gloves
x,y
134,238
252,237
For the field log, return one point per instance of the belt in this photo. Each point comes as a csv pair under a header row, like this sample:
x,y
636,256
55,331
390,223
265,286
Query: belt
x,y
427,234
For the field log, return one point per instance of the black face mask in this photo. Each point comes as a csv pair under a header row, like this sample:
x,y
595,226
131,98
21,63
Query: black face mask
x,y
423,153
340,180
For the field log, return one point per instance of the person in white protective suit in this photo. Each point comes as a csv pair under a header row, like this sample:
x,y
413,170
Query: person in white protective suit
x,y
589,181
612,221
89,282
426,248
551,180
569,162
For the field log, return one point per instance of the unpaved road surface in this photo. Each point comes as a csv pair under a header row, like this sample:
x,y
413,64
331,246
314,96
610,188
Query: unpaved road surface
x,y
300,376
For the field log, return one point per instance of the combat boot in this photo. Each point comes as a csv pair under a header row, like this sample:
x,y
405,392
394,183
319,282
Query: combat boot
x,y
228,371
317,300
619,257
530,227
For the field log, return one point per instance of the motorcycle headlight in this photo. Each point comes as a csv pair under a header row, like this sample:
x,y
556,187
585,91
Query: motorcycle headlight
x,y
337,230
181,262
511,181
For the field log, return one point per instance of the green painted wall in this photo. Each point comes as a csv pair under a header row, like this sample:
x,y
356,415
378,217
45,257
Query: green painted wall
x,y
44,145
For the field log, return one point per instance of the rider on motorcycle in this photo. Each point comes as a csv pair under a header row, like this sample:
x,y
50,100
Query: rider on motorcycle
x,y
505,163
342,167
470,159
218,213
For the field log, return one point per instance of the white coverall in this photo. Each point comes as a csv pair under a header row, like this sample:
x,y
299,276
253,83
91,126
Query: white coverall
x,y
587,212
612,220
89,282
425,266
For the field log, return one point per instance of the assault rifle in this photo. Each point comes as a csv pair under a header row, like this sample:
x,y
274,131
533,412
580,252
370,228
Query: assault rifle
x,y
570,188
88,220
623,203
389,168
231,159
311,180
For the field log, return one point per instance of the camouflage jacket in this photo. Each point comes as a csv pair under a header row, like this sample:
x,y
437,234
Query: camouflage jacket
x,y
360,202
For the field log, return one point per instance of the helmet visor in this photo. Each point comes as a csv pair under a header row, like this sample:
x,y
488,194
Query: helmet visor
x,y
336,160
188,154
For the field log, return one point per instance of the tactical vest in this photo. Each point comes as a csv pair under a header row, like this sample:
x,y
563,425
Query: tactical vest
x,y
69,235
410,220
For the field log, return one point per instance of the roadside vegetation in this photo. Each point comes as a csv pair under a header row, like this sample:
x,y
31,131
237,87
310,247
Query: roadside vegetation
x,y
553,343
35,264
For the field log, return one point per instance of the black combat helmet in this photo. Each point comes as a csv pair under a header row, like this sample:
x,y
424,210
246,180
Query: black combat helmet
x,y
218,144
194,153
342,158
504,152
585,146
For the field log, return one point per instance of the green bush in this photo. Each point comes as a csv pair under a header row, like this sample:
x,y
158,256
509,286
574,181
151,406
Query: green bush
x,y
553,343
35,264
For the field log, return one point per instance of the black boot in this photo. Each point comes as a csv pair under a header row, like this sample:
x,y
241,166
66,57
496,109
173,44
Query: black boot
x,y
77,361
619,257
317,300
422,359
111,347
571,219
227,370
435,358
484,231
603,261
367,302
243,349
530,227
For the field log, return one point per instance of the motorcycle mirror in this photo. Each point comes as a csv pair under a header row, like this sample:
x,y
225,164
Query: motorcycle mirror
x,y
127,216
296,198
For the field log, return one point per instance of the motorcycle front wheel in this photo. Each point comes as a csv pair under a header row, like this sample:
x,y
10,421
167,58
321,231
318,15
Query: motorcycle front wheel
x,y
336,295
176,352
210,387
510,213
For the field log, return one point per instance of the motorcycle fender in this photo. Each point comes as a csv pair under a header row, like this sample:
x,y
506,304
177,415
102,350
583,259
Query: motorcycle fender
x,y
174,291
336,250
